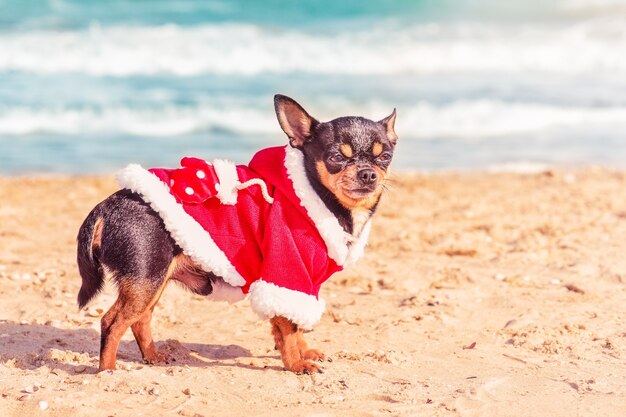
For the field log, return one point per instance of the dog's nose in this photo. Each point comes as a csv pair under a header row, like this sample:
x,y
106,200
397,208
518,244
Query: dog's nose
x,y
367,176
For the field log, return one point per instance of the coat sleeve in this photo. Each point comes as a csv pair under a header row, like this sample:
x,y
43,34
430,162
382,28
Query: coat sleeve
x,y
290,261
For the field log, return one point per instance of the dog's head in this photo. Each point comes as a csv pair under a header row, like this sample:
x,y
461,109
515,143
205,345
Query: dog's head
x,y
349,156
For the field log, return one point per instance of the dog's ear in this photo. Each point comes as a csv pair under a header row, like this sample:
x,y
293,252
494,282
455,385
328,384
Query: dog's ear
x,y
294,120
388,123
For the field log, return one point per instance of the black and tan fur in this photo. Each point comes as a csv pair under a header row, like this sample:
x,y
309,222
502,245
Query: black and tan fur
x,y
124,240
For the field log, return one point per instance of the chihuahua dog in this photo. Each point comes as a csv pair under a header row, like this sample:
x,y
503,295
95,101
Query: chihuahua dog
x,y
274,230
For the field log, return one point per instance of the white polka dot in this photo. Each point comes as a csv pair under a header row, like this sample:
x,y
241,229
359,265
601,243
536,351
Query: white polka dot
x,y
171,183
201,174
189,190
217,187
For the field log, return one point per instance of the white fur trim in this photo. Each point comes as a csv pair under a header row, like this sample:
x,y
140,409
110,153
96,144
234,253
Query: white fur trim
x,y
269,300
335,238
357,249
227,174
225,292
186,232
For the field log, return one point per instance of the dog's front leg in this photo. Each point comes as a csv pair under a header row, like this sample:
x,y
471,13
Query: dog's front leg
x,y
305,352
286,337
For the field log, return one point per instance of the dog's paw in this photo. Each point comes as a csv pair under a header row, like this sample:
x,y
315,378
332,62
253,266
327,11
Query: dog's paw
x,y
314,355
159,358
305,367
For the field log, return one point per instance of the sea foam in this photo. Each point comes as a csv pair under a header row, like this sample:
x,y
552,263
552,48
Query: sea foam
x,y
248,49
422,120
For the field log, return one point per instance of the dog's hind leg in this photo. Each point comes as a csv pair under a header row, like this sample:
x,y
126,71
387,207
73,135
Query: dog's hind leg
x,y
133,308
141,328
123,313
143,336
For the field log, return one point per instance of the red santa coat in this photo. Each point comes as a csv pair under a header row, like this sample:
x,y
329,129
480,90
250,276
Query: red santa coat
x,y
261,228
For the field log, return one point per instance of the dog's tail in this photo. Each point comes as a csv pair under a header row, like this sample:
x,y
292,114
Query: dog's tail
x,y
91,271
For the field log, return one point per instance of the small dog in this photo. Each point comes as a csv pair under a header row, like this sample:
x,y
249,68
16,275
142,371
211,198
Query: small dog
x,y
274,230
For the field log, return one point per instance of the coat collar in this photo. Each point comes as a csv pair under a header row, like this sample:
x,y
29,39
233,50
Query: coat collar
x,y
342,247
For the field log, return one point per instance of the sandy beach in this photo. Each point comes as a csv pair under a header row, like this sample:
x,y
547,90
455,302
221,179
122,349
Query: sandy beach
x,y
481,294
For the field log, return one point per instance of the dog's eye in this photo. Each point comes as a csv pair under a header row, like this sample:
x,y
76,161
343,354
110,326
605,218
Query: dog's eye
x,y
336,158
385,157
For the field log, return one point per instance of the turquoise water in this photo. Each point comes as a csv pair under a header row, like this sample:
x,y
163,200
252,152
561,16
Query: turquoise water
x,y
89,86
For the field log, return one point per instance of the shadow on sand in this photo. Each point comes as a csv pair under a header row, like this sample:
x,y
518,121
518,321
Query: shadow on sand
x,y
32,346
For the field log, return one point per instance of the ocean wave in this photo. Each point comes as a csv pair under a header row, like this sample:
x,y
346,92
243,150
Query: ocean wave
x,y
166,121
593,45
490,118
462,119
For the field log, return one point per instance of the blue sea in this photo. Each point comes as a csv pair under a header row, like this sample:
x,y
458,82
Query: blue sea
x,y
88,86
